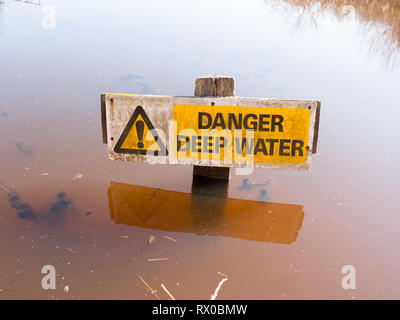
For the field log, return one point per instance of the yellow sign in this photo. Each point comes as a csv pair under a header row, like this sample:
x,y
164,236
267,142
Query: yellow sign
x,y
241,134
140,137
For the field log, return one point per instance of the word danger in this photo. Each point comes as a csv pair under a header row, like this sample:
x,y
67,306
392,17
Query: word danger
x,y
262,122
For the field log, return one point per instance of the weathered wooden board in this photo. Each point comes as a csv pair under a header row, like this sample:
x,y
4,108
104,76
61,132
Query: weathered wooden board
x,y
211,131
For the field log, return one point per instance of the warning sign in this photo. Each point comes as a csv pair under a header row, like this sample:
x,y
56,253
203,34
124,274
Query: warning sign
x,y
248,134
140,136
211,131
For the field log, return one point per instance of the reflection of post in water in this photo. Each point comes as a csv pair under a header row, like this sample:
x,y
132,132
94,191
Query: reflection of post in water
x,y
208,203
198,213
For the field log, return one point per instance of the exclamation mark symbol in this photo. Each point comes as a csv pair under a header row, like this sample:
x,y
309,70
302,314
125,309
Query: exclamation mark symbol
x,y
140,130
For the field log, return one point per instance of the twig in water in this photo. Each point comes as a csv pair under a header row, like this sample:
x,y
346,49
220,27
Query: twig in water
x,y
169,238
43,236
222,274
168,293
5,189
150,289
157,259
214,296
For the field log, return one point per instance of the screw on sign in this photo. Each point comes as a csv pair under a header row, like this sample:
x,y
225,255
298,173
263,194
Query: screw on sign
x,y
212,131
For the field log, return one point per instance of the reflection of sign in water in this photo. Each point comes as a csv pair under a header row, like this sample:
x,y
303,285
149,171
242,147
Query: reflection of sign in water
x,y
211,131
139,136
183,212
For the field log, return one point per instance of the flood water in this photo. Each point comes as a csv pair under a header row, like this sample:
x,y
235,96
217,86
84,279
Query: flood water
x,y
105,226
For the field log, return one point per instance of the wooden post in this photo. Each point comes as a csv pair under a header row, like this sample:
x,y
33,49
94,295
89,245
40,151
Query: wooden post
x,y
213,86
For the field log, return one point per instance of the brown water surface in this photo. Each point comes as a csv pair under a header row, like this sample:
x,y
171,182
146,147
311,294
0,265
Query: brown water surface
x,y
274,234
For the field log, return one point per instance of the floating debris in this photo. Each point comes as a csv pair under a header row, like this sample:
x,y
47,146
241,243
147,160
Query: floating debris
x,y
43,236
5,113
77,176
4,188
169,238
214,296
62,203
71,250
151,239
168,293
24,148
157,259
222,274
88,213
150,289
66,289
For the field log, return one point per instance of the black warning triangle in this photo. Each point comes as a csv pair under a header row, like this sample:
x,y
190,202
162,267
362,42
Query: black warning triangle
x,y
118,147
